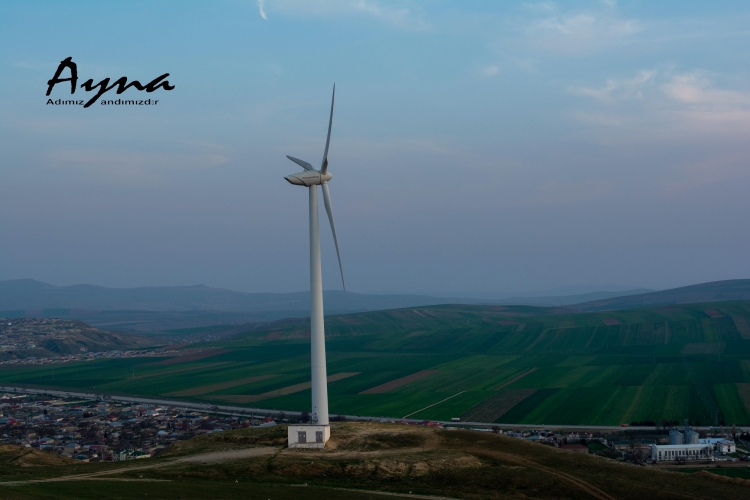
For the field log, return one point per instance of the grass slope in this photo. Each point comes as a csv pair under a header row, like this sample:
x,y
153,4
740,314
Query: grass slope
x,y
367,461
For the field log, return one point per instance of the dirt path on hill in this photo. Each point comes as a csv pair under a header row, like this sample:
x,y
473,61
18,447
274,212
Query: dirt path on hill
x,y
582,485
384,493
218,456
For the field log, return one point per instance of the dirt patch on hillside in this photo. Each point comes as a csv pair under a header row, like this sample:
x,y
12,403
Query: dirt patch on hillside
x,y
399,382
400,467
381,441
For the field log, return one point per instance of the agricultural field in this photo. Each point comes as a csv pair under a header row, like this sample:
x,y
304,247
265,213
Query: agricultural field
x,y
509,364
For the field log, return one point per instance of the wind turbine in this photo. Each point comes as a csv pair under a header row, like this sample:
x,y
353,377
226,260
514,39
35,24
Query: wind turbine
x,y
311,178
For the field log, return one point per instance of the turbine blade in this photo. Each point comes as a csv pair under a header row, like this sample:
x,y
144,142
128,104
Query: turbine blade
x,y
301,163
327,201
324,165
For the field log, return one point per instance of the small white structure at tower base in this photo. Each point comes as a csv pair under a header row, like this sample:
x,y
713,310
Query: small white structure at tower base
x,y
308,436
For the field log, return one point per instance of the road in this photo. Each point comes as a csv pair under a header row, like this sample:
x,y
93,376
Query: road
x,y
241,410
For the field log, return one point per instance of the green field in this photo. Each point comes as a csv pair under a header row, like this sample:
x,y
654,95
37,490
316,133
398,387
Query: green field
x,y
668,363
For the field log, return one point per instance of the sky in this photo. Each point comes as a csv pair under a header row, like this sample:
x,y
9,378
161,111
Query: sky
x,y
476,146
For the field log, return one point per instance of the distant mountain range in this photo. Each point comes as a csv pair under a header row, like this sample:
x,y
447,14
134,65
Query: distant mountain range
x,y
32,295
35,295
167,308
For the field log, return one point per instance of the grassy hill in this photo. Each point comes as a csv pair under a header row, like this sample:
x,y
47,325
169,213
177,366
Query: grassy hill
x,y
491,364
704,292
367,461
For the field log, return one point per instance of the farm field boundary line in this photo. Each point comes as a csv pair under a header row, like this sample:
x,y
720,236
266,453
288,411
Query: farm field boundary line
x,y
433,404
284,391
506,384
235,410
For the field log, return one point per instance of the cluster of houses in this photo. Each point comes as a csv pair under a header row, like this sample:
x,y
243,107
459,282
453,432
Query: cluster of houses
x,y
88,356
36,341
104,431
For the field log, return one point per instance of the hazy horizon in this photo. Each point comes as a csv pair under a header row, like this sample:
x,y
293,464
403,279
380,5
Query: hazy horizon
x,y
562,291
477,147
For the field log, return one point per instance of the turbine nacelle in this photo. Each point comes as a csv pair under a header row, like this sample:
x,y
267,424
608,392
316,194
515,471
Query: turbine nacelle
x,y
308,178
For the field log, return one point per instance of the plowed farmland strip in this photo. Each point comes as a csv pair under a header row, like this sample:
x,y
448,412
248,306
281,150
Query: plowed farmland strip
x,y
192,356
506,384
399,382
284,391
205,389
179,370
493,408
704,348
742,327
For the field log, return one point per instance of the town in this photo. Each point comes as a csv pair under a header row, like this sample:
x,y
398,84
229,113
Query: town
x,y
40,341
107,430
94,431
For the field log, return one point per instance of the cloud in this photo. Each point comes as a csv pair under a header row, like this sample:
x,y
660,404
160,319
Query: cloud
x,y
389,13
490,70
578,31
663,107
261,9
617,90
399,17
697,90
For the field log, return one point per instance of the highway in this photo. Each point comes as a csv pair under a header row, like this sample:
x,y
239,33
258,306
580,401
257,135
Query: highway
x,y
257,412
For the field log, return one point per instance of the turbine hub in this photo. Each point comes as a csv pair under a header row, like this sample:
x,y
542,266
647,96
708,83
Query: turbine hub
x,y
308,178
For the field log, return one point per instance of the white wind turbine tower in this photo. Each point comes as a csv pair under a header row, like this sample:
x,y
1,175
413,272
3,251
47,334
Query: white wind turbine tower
x,y
311,178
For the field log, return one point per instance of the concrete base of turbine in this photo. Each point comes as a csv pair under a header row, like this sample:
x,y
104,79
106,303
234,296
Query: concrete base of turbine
x,y
308,436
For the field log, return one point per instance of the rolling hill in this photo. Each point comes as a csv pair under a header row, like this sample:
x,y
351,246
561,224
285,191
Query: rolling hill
x,y
704,292
503,364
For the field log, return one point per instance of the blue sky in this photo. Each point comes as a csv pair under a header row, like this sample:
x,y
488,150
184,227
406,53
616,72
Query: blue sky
x,y
476,146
